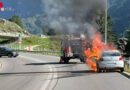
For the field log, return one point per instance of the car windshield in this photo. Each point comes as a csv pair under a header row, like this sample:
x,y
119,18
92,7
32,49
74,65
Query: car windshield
x,y
7,49
111,54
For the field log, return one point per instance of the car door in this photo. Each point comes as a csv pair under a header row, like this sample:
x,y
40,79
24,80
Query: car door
x,y
2,51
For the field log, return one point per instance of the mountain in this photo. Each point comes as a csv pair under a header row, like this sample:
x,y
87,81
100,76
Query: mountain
x,y
36,24
28,9
119,11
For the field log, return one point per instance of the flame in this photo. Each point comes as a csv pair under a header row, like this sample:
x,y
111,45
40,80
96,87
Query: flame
x,y
94,53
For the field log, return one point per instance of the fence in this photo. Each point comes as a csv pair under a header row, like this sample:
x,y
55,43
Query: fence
x,y
54,53
12,34
24,48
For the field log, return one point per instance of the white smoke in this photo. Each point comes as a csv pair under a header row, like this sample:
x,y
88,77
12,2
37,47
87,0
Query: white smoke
x,y
74,16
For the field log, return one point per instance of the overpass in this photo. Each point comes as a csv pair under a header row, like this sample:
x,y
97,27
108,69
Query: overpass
x,y
12,35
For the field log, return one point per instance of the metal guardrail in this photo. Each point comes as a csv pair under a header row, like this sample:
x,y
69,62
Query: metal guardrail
x,y
42,52
12,34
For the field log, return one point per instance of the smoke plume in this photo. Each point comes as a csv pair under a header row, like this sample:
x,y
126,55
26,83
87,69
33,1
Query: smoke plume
x,y
74,16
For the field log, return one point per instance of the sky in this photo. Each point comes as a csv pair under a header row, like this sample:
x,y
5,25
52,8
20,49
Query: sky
x,y
25,8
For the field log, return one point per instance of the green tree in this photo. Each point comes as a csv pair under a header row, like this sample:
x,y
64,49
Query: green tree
x,y
127,34
112,37
16,19
127,50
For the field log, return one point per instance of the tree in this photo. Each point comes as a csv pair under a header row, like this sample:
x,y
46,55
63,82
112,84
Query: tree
x,y
127,50
112,37
16,19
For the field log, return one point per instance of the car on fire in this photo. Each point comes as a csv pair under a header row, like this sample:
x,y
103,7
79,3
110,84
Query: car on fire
x,y
110,60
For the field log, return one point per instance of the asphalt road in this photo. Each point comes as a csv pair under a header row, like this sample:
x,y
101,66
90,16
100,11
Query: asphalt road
x,y
38,72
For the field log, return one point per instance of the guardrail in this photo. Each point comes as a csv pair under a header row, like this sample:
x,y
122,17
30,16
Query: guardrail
x,y
12,34
55,53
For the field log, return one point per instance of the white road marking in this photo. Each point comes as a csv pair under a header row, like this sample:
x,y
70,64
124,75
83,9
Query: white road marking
x,y
50,76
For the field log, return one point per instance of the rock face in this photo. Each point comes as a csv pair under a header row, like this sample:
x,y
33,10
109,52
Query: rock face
x,y
10,27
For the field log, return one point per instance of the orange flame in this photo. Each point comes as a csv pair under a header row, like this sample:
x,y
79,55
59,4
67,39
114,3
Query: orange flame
x,y
93,54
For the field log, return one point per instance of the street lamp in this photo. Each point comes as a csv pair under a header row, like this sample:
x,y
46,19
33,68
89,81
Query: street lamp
x,y
106,22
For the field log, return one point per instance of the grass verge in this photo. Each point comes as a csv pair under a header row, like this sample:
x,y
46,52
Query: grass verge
x,y
127,69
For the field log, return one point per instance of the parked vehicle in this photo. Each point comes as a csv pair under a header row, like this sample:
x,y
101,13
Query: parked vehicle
x,y
73,48
4,51
110,60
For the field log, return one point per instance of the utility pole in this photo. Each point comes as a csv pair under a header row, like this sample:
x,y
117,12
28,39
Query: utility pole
x,y
106,21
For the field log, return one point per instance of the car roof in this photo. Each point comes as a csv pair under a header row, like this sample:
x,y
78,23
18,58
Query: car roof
x,y
111,51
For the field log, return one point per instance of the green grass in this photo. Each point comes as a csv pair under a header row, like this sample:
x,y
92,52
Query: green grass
x,y
49,46
127,69
45,44
10,27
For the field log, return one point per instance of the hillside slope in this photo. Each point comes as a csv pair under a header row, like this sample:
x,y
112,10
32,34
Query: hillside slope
x,y
10,27
35,24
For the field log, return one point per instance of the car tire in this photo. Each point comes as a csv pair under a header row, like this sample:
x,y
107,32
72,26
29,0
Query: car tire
x,y
15,56
10,55
82,59
122,70
98,69
66,61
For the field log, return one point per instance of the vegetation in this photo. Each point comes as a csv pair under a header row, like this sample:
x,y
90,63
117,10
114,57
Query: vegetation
x,y
112,37
128,44
36,25
127,69
6,26
16,19
44,44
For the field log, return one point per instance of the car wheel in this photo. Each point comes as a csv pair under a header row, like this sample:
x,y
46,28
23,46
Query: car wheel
x,y
122,69
66,61
82,59
15,56
98,69
9,55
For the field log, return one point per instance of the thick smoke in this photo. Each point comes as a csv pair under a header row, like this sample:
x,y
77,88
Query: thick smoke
x,y
74,16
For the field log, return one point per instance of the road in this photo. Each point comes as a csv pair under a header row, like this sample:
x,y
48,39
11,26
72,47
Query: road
x,y
38,72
